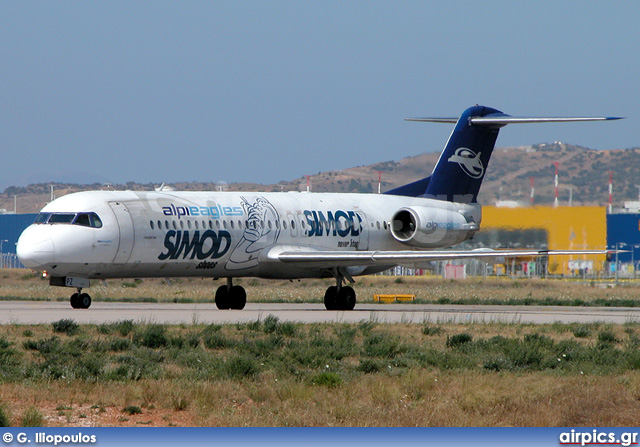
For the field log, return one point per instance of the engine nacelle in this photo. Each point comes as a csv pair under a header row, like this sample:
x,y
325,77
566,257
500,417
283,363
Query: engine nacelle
x,y
428,227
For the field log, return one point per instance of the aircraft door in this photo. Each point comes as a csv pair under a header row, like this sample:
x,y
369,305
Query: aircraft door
x,y
363,243
126,232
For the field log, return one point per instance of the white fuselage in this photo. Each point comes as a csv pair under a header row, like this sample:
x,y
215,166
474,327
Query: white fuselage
x,y
227,234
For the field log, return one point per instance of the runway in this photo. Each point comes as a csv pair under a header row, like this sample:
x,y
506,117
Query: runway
x,y
39,312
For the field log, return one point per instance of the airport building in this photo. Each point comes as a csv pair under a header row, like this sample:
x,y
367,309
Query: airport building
x,y
11,226
623,233
559,228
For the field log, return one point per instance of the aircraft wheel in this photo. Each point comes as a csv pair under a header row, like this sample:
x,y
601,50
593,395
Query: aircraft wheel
x,y
346,298
75,301
331,298
237,298
84,300
222,298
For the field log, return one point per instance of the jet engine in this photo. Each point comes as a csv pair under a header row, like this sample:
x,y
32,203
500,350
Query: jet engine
x,y
428,227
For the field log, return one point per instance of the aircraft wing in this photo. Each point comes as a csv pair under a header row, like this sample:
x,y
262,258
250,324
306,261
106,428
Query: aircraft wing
x,y
329,259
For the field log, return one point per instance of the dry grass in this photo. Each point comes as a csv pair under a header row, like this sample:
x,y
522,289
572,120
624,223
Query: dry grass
x,y
422,398
22,284
455,390
414,376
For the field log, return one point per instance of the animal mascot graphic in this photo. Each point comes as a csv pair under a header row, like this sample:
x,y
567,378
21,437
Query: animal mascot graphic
x,y
260,231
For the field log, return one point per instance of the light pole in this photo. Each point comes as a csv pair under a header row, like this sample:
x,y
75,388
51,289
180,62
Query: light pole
x,y
618,245
633,261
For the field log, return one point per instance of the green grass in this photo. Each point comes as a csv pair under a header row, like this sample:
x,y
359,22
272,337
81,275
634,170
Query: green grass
x,y
127,351
4,417
66,326
132,409
341,371
32,418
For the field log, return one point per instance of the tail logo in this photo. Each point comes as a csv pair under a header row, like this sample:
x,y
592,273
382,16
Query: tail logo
x,y
468,161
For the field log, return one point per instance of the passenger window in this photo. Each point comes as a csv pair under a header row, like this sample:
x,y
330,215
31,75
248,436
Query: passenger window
x,y
293,225
378,224
384,224
224,224
284,224
151,224
182,224
232,225
218,224
189,224
175,227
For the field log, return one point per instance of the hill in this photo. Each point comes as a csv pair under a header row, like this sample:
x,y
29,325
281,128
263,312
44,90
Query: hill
x,y
581,170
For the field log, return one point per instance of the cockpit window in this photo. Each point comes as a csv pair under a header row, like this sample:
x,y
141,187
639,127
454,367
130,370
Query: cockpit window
x,y
42,218
61,218
88,220
83,219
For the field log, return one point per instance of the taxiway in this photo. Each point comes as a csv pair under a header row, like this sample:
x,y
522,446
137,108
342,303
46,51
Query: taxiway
x,y
39,312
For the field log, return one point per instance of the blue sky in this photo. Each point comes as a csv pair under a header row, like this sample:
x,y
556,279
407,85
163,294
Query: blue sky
x,y
270,90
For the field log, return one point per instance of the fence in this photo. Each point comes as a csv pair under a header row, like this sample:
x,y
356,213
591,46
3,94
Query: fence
x,y
10,261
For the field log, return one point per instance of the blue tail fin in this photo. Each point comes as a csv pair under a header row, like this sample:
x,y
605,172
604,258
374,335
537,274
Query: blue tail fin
x,y
460,169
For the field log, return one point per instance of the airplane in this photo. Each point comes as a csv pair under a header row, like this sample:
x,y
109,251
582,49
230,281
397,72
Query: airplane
x,y
286,235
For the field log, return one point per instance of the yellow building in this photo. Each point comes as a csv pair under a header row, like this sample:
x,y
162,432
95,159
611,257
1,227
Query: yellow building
x,y
566,228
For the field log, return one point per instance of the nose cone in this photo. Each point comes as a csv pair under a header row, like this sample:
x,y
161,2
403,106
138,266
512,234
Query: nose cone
x,y
34,249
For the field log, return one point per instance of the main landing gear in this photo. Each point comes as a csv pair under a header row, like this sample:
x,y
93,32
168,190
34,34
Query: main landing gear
x,y
80,300
340,297
230,296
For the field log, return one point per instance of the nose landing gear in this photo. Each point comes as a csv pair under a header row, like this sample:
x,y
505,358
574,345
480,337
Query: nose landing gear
x,y
80,300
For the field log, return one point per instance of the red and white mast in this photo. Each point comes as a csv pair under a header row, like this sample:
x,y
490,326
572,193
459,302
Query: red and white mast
x,y
610,191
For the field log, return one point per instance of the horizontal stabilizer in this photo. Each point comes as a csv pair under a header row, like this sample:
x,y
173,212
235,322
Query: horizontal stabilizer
x,y
503,120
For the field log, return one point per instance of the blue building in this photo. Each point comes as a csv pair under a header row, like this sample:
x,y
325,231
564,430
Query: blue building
x,y
11,226
623,232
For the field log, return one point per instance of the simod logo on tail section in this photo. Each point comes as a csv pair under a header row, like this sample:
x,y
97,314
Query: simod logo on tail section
x,y
469,162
